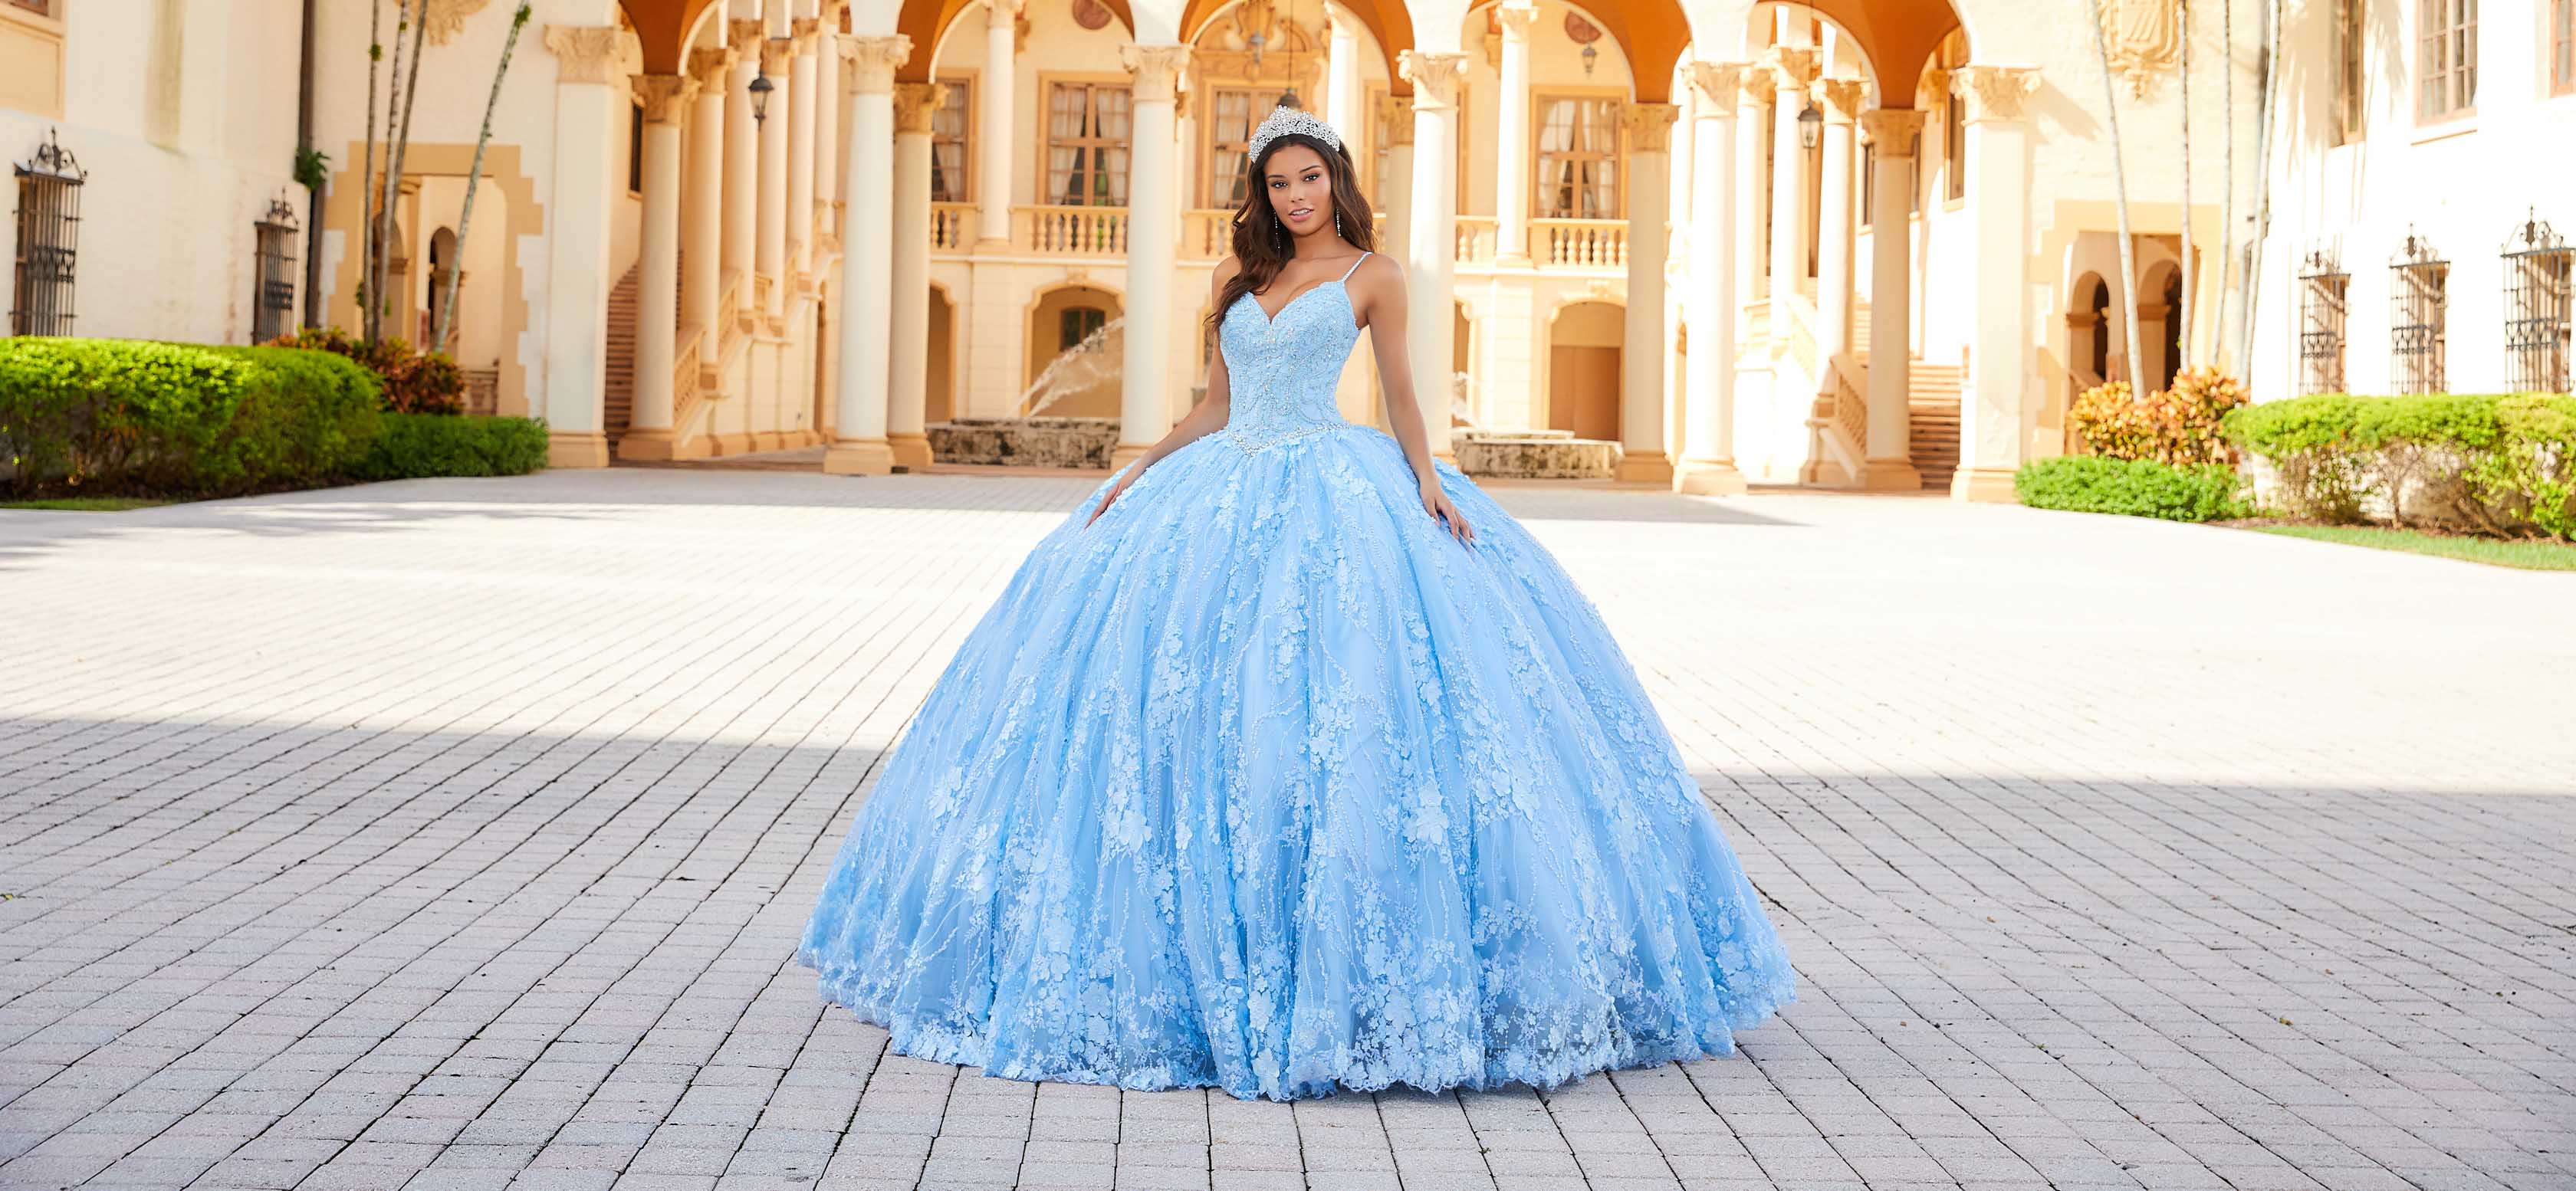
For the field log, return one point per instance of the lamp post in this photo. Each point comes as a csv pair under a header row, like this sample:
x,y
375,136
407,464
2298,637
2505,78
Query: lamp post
x,y
760,89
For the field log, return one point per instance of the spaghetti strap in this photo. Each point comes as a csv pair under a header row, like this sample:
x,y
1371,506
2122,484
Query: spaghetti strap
x,y
1355,265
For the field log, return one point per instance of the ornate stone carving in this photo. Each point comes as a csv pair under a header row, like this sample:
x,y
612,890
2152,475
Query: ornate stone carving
x,y
916,103
873,60
1933,84
585,53
1156,70
1713,85
1841,98
1996,92
2143,39
1792,66
742,34
998,12
1397,111
1649,126
708,67
1434,77
664,96
777,56
803,31
1289,54
1516,18
1090,14
446,18
1891,131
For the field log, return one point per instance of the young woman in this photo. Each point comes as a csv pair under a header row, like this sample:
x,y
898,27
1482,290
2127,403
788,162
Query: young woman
x,y
1288,762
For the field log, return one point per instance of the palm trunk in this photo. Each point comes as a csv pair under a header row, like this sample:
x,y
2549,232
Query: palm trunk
x,y
474,175
2119,194
2227,170
2181,312
379,233
367,179
2262,179
401,136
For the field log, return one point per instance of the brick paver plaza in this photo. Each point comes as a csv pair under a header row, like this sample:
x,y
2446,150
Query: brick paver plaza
x,y
456,834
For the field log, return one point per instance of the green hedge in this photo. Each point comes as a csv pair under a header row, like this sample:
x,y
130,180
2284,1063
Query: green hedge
x,y
105,415
2134,488
417,445
2498,464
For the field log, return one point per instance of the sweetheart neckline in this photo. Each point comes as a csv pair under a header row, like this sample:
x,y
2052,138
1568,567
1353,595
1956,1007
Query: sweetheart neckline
x,y
1269,319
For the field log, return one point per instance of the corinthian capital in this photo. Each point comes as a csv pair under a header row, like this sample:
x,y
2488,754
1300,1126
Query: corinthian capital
x,y
585,53
1891,131
1434,78
1517,18
1995,92
1713,85
1156,69
664,96
1397,111
1841,98
873,60
916,103
1649,126
1792,66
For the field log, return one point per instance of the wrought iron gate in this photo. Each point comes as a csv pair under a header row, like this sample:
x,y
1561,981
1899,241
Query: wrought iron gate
x,y
49,187
2536,323
2418,297
273,299
2322,287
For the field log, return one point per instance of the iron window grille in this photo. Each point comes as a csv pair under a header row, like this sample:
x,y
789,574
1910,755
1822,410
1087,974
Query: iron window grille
x,y
273,295
2323,289
49,187
2418,296
2536,314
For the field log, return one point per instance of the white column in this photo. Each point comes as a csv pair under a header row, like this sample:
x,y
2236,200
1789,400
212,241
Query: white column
x,y
1752,123
859,425
657,302
742,165
907,394
590,116
1343,94
1994,429
994,139
1792,68
1891,133
828,140
1432,242
1512,135
1708,444
803,96
1641,351
775,54
702,199
1153,233
1395,187
1841,99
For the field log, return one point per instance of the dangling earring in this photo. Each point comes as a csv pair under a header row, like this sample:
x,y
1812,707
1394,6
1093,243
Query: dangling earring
x,y
1337,221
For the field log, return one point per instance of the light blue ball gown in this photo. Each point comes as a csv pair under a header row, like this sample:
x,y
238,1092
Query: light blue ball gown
x,y
1264,782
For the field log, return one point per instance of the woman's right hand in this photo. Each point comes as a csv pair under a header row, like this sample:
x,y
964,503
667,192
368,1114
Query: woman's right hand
x,y
1124,478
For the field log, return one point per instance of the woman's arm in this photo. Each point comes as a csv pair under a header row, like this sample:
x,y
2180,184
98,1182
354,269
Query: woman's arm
x,y
1207,417
1381,304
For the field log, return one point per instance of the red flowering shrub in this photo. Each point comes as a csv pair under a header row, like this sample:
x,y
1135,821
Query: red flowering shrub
x,y
416,382
2178,427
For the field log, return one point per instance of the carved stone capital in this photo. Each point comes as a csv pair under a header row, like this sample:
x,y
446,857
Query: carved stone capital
x,y
1841,98
708,66
444,19
916,103
1995,92
777,54
664,96
1005,13
1649,126
1434,77
1713,85
1934,84
1792,67
1397,111
1155,69
1891,131
1517,18
804,28
585,53
742,34
872,61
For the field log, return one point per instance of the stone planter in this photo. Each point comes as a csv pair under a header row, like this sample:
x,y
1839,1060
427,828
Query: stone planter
x,y
1025,442
1535,455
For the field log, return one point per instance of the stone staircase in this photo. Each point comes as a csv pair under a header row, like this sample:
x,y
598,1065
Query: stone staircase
x,y
1932,403
618,386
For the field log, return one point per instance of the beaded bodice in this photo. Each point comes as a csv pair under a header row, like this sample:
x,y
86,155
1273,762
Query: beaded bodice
x,y
1281,371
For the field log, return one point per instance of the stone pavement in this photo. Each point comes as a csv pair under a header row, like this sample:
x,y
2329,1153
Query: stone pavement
x,y
456,834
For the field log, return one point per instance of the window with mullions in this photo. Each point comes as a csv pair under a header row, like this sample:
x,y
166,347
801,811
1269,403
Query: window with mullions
x,y
273,295
1087,145
1074,324
1578,158
948,156
2349,41
1233,112
2323,287
49,189
2447,62
2419,300
2537,264
2562,46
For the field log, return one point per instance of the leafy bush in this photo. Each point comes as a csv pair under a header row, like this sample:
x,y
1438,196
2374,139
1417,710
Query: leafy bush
x,y
2129,487
104,415
416,445
415,382
2180,426
2501,465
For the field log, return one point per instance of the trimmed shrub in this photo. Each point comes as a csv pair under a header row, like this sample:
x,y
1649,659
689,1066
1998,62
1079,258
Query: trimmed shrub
x,y
2180,427
2129,487
104,415
417,445
2502,465
415,382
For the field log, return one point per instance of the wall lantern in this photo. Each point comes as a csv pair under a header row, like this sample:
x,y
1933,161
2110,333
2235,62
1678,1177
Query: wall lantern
x,y
1811,126
1591,54
760,89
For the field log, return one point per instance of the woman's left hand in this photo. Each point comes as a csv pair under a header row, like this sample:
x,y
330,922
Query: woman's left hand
x,y
1436,502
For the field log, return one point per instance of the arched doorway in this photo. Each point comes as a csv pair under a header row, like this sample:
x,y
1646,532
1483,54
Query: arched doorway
x,y
1583,364
2172,362
939,396
1073,358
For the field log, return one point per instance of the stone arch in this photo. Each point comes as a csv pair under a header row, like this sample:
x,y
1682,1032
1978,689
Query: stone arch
x,y
1650,34
939,396
1586,352
1897,38
1090,387
1390,24
928,22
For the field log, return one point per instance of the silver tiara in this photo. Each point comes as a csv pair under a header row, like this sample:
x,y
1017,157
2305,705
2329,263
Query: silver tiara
x,y
1285,120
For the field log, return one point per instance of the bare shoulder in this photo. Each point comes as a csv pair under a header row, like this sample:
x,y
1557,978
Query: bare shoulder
x,y
1379,274
1225,272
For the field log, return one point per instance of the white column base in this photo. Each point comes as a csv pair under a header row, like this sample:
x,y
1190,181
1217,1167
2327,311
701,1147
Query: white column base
x,y
859,457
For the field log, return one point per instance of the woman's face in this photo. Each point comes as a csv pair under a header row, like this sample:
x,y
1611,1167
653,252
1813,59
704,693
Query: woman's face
x,y
1300,188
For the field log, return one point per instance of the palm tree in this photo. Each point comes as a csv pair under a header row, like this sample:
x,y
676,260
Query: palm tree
x,y
473,175
2120,192
2182,299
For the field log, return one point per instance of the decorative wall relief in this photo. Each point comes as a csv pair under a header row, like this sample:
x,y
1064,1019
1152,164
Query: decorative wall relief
x,y
446,18
2144,39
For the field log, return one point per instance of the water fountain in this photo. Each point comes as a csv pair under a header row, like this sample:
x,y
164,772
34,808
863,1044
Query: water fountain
x,y
1031,438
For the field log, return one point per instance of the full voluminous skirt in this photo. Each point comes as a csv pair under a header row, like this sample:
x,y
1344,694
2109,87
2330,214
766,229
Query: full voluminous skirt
x,y
1263,782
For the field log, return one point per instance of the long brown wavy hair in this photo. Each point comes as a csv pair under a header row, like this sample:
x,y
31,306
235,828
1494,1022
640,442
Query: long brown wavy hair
x,y
1262,242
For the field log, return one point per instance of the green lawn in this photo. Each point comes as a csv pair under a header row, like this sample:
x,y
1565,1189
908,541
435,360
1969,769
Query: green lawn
x,y
86,504
2526,555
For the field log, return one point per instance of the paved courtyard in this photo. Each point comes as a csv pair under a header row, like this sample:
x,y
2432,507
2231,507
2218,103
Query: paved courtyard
x,y
456,834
